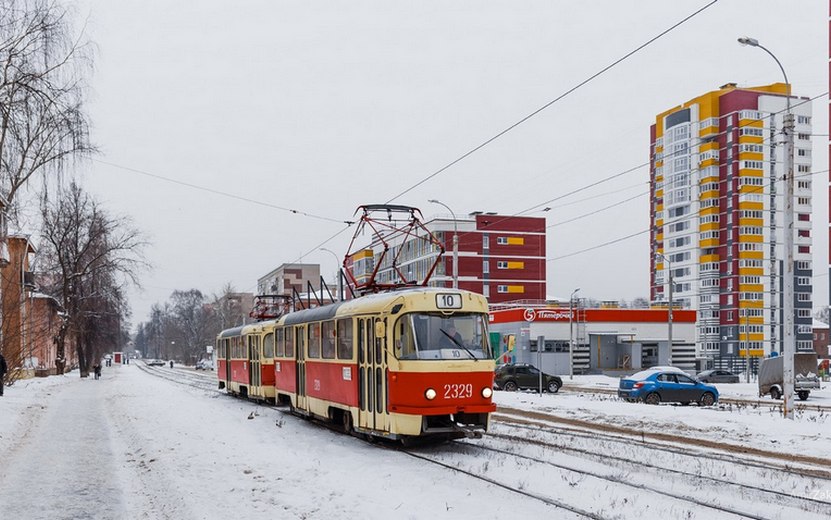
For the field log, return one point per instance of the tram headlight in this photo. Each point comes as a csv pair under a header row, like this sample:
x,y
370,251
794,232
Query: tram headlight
x,y
430,394
487,393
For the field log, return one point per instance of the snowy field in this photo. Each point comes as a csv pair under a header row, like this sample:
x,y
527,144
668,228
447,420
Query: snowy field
x,y
137,446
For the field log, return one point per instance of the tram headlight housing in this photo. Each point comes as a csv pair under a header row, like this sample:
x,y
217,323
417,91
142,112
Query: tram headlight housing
x,y
487,393
430,394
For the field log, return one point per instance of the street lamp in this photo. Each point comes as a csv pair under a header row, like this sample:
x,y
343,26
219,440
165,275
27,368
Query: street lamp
x,y
340,278
669,307
571,334
455,243
789,339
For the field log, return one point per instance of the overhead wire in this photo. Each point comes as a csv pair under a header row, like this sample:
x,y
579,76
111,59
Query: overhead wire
x,y
648,163
220,193
558,98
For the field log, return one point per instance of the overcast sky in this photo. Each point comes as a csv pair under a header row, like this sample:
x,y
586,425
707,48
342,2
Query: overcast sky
x,y
323,106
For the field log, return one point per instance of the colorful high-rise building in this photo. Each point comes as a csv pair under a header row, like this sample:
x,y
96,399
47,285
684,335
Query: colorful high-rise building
x,y
717,217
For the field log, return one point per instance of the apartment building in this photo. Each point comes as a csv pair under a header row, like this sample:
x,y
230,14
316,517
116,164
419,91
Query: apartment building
x,y
717,217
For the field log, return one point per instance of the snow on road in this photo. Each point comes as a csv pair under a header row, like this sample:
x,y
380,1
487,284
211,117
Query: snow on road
x,y
133,446
137,446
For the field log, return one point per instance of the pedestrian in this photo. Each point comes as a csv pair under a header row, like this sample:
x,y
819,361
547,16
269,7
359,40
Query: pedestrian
x,y
3,369
97,370
171,363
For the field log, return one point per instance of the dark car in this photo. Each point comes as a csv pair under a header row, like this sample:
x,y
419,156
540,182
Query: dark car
x,y
717,376
514,376
668,386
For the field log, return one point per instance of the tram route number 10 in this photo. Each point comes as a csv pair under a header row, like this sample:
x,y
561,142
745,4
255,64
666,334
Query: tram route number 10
x,y
449,301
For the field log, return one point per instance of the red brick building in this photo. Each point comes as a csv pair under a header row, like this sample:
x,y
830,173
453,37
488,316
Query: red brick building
x,y
499,256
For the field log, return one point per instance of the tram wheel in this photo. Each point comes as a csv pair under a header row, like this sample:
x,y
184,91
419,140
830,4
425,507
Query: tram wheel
x,y
347,422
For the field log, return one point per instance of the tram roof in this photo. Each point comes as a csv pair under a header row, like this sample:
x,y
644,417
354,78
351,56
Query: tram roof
x,y
236,331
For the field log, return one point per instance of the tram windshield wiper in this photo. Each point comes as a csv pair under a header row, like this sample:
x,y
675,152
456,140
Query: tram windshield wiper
x,y
459,343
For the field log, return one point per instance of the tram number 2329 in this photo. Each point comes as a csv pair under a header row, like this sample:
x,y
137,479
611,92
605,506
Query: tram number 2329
x,y
458,391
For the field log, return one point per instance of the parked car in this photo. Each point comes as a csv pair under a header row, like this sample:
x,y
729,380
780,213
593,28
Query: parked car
x,y
514,376
155,363
717,376
667,386
204,364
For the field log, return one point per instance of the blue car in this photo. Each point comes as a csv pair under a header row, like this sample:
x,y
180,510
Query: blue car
x,y
666,386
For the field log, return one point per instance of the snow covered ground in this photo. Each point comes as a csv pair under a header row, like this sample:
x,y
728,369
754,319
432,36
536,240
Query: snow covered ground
x,y
136,446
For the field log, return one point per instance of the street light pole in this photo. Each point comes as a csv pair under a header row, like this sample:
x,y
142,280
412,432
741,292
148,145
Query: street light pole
x,y
340,275
669,307
789,338
571,334
455,243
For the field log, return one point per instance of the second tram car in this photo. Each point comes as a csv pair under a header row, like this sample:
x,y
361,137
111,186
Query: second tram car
x,y
401,364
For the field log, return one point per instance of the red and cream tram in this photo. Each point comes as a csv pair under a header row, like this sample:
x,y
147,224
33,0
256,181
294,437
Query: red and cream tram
x,y
399,364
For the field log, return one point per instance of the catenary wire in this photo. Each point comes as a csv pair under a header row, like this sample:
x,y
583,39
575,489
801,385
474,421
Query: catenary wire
x,y
545,106
220,193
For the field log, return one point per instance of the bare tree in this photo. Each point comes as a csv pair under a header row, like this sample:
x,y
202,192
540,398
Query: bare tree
x,y
93,256
42,92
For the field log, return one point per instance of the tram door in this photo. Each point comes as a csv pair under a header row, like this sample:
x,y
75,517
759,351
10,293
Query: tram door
x,y
373,378
300,348
254,372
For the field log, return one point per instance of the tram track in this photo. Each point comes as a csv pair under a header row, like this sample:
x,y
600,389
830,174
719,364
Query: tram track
x,y
814,466
610,477
456,459
181,377
732,457
773,496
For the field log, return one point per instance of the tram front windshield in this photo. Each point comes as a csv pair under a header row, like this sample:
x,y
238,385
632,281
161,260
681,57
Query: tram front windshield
x,y
437,336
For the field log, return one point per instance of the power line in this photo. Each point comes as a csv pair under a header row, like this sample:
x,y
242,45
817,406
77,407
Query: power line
x,y
221,193
558,98
682,219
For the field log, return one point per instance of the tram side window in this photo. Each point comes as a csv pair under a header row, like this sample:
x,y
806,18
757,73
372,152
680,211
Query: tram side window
x,y
268,345
328,339
345,349
281,346
290,342
314,340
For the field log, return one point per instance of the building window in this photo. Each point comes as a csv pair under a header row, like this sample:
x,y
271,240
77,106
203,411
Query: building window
x,y
485,242
513,241
486,267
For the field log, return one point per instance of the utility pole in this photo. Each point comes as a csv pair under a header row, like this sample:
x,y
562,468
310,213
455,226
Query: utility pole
x,y
789,337
669,307
455,243
571,334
